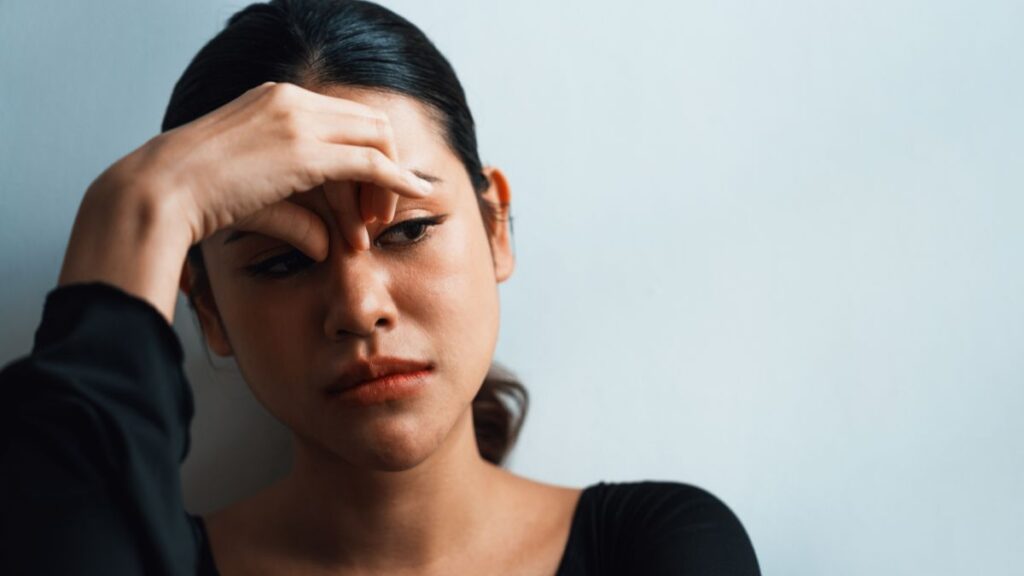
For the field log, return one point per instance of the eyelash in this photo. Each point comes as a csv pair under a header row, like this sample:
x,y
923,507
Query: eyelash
x,y
262,269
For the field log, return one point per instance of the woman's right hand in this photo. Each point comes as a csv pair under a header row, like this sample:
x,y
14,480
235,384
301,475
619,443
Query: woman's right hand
x,y
236,166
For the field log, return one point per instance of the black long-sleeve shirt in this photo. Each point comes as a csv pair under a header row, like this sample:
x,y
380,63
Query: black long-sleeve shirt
x,y
95,426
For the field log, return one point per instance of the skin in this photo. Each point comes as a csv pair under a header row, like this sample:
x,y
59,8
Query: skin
x,y
398,487
233,167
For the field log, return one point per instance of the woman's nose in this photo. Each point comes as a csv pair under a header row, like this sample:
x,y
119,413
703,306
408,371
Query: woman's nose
x,y
358,295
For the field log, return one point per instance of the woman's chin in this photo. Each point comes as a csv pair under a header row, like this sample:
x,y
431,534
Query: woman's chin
x,y
389,447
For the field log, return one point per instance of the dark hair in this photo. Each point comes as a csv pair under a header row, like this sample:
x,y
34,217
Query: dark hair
x,y
348,42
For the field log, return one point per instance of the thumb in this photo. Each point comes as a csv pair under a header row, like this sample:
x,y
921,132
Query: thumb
x,y
292,223
343,198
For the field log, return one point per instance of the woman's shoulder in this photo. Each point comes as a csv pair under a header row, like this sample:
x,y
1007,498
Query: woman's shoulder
x,y
660,526
667,500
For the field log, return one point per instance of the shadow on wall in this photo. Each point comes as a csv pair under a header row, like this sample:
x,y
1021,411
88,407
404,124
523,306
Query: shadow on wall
x,y
237,447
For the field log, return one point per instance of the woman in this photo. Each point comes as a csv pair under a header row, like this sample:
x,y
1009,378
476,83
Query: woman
x,y
317,194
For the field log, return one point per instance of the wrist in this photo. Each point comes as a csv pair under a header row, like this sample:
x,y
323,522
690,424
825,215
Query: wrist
x,y
144,178
134,237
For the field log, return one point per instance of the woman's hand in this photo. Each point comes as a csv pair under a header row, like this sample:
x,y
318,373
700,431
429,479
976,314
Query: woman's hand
x,y
273,141
234,167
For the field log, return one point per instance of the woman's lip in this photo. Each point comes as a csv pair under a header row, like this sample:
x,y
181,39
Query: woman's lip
x,y
367,369
391,387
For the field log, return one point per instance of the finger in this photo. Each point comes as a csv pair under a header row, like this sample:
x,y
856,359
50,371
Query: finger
x,y
292,223
372,128
392,204
340,162
344,121
317,102
344,203
358,130
383,203
366,203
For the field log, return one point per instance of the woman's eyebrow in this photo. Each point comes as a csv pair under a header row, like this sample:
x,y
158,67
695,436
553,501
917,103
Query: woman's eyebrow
x,y
428,177
239,234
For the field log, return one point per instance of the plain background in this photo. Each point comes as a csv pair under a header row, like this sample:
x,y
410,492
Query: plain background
x,y
771,249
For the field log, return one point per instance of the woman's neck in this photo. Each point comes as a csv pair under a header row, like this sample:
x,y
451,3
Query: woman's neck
x,y
359,519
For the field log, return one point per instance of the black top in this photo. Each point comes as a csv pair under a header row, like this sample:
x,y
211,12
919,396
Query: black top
x,y
95,426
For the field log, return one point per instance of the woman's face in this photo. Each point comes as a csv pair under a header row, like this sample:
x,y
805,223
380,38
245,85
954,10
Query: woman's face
x,y
425,293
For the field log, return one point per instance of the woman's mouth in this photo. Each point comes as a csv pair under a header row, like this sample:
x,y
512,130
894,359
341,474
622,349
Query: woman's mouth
x,y
391,387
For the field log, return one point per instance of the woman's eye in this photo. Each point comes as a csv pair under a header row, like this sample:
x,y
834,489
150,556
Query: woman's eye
x,y
294,261
408,232
280,266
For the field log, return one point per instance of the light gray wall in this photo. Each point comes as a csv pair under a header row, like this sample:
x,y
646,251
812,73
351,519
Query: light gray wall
x,y
772,249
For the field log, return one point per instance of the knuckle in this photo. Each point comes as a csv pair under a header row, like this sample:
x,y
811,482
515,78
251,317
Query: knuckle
x,y
293,125
304,166
303,153
382,126
281,95
264,88
306,177
310,231
295,149
284,89
376,163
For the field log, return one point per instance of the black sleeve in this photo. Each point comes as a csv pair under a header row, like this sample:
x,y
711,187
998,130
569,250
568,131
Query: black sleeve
x,y
688,531
657,528
94,428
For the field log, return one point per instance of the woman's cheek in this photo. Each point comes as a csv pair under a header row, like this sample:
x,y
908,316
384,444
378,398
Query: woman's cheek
x,y
457,278
461,298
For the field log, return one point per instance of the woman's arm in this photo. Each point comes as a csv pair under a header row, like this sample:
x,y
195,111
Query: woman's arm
x,y
134,238
235,167
95,420
93,428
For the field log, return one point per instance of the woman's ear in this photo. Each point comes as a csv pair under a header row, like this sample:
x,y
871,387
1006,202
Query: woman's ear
x,y
500,196
206,308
